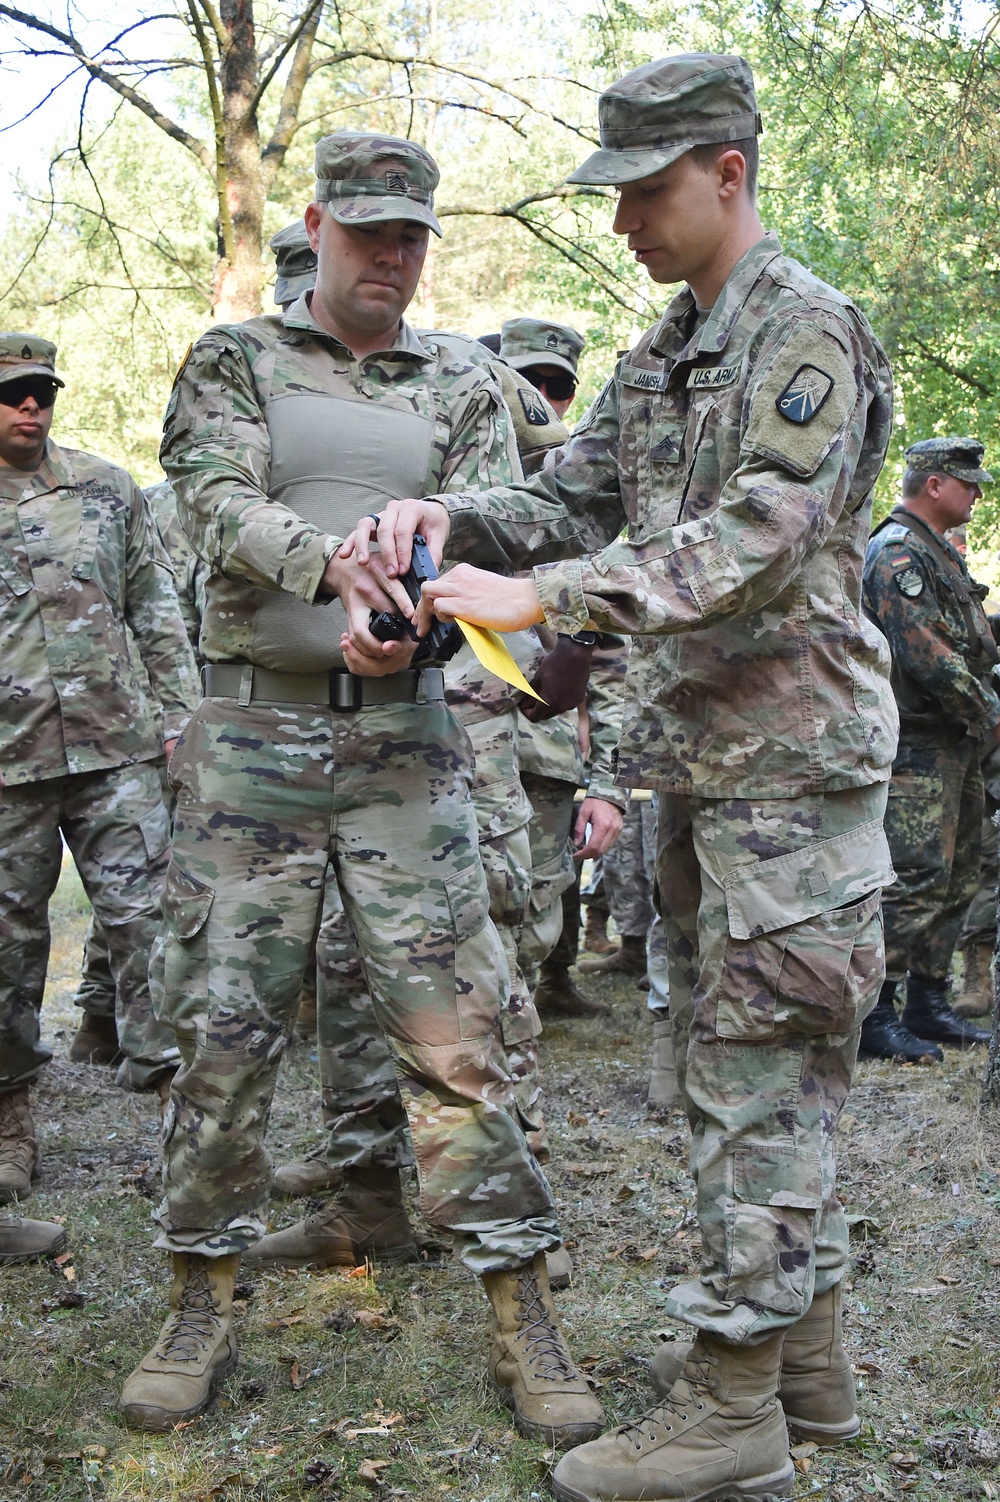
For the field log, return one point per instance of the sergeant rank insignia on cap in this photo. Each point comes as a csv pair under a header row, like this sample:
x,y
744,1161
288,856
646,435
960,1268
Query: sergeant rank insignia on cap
x,y
805,394
534,409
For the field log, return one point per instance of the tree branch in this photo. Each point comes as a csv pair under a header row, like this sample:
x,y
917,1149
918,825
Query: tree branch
x,y
102,75
311,13
219,130
291,98
949,369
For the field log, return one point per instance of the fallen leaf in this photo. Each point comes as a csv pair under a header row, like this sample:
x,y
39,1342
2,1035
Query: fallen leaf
x,y
949,1278
286,1320
358,1272
98,1451
577,1119
294,1376
649,1254
368,1471
904,1461
374,1320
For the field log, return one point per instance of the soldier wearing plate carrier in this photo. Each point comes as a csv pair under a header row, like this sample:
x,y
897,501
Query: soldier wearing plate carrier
x,y
918,590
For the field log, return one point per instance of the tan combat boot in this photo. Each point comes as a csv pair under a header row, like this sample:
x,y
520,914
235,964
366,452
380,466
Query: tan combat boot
x,y
630,959
664,1093
20,1160
595,932
195,1348
816,1390
305,1176
96,1041
366,1222
24,1240
530,1363
558,995
975,999
719,1433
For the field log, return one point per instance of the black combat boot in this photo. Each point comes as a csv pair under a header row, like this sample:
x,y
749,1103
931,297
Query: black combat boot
x,y
928,1012
883,1036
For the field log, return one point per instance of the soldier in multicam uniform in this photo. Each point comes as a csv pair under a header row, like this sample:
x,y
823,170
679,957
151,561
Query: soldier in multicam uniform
x,y
738,443
280,434
96,1040
918,590
83,582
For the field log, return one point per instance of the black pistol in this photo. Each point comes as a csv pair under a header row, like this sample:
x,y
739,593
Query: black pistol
x,y
442,640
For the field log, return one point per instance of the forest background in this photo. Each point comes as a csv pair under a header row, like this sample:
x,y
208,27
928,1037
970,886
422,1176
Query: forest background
x,y
165,148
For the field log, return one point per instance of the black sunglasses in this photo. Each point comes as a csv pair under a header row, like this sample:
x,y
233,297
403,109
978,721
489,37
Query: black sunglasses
x,y
16,393
560,388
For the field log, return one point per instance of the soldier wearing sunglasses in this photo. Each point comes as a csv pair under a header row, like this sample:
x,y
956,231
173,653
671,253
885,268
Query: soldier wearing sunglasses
x,y
547,354
83,583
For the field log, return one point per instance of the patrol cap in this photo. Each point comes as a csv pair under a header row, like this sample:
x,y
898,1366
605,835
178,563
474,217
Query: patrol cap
x,y
962,458
368,179
536,341
27,355
295,262
654,114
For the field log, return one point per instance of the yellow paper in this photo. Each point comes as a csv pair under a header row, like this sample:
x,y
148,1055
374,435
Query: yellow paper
x,y
492,652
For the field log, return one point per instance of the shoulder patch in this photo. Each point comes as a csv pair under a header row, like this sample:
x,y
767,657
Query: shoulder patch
x,y
535,413
909,582
180,368
805,394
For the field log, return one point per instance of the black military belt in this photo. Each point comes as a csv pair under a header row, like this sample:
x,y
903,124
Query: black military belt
x,y
338,690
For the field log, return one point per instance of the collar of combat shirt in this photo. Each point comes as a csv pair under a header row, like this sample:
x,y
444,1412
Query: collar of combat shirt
x,y
406,344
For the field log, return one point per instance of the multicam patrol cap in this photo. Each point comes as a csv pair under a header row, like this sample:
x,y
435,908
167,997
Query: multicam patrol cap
x,y
962,458
369,179
654,114
295,262
536,341
27,355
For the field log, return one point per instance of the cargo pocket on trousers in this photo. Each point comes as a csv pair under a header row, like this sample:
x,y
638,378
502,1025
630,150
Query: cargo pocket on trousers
x,y
155,830
180,953
777,1195
480,963
801,958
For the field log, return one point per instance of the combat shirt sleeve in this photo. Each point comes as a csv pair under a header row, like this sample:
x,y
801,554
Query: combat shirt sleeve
x,y
217,452
154,618
482,451
901,588
777,506
605,701
571,505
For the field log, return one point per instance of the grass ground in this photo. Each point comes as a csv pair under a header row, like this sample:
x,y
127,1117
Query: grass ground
x,y
357,1387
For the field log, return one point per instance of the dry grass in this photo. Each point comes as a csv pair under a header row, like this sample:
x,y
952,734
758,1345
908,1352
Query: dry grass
x,y
328,1405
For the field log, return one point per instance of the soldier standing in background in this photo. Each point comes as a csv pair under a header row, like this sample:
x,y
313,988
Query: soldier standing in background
x,y
739,442
83,582
279,435
918,590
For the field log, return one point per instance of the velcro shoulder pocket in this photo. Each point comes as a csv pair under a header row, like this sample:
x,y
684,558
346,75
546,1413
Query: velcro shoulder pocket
x,y
801,402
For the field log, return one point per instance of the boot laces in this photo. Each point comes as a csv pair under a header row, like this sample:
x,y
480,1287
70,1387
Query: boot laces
x,y
689,1391
192,1325
12,1131
543,1344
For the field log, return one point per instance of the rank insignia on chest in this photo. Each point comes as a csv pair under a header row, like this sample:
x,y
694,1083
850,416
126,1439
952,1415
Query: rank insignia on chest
x,y
909,582
805,394
534,409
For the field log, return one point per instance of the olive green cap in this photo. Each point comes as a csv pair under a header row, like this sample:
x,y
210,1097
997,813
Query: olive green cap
x,y
25,355
962,458
367,179
654,114
295,263
525,342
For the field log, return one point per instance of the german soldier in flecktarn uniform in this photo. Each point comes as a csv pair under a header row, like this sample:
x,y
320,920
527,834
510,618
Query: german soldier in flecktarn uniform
x,y
918,589
722,482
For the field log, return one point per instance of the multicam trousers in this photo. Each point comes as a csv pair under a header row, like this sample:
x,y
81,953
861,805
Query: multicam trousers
x,y
363,1114
774,933
118,831
552,871
268,796
934,827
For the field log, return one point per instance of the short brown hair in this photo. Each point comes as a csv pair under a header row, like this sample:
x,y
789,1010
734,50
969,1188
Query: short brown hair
x,y
748,149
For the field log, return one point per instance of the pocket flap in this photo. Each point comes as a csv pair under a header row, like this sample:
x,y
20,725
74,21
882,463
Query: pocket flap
x,y
187,902
789,888
469,901
776,1173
